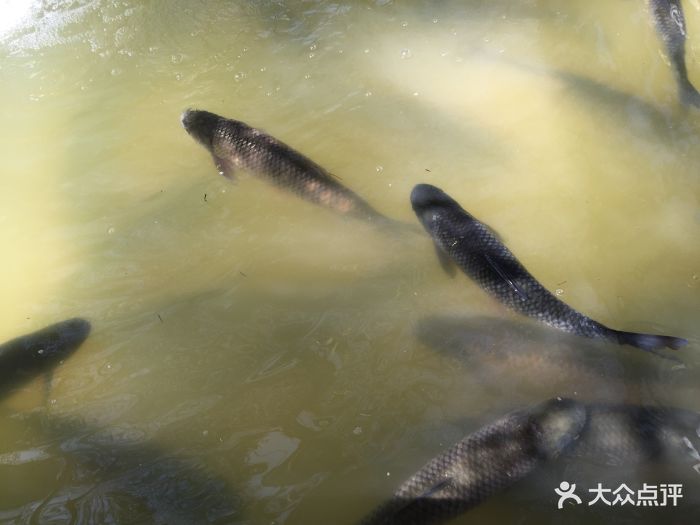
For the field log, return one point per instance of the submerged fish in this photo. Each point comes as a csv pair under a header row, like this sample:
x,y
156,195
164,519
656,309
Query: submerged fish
x,y
130,477
630,435
670,23
556,432
524,360
28,356
483,464
460,238
236,146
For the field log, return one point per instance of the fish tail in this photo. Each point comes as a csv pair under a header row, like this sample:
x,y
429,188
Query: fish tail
x,y
393,225
689,95
648,342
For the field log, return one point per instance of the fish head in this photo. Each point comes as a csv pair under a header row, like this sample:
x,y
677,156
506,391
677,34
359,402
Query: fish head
x,y
226,139
430,204
62,339
201,125
425,197
557,424
30,355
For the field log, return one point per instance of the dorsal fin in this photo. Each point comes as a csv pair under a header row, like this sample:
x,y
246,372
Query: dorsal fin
x,y
445,261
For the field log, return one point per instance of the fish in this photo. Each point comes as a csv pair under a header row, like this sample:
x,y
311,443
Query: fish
x,y
462,239
529,443
236,146
618,434
483,464
523,359
670,24
68,465
28,356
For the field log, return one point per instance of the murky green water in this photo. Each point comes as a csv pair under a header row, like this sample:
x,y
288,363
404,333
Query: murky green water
x,y
253,357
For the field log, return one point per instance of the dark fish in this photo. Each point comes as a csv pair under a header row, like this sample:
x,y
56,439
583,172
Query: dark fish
x,y
483,464
236,146
630,435
528,360
670,23
462,239
30,355
107,474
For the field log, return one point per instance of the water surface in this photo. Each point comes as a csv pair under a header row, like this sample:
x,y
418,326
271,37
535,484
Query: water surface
x,y
254,357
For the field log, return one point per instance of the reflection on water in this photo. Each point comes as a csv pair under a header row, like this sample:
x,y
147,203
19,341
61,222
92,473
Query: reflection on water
x,y
257,359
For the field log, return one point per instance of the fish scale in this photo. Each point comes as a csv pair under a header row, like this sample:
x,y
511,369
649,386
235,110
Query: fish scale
x,y
513,447
484,463
462,239
235,146
670,23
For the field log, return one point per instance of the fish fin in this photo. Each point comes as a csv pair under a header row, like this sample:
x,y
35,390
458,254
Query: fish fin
x,y
500,271
689,95
448,265
650,342
225,167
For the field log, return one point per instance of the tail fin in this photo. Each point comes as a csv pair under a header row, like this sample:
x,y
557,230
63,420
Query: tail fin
x,y
689,95
394,226
649,342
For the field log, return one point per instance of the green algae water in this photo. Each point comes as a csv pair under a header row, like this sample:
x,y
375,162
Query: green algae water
x,y
253,357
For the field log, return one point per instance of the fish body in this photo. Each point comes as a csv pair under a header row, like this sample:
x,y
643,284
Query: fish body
x,y
483,464
460,238
526,360
28,356
631,435
670,24
236,146
556,432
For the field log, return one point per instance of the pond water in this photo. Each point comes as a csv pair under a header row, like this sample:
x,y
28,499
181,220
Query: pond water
x,y
255,358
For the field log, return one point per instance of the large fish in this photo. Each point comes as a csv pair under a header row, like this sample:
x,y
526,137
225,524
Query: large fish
x,y
670,23
557,433
630,435
235,146
483,464
28,356
472,245
91,473
525,360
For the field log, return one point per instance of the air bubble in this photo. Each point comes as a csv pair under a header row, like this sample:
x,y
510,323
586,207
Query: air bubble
x,y
559,291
